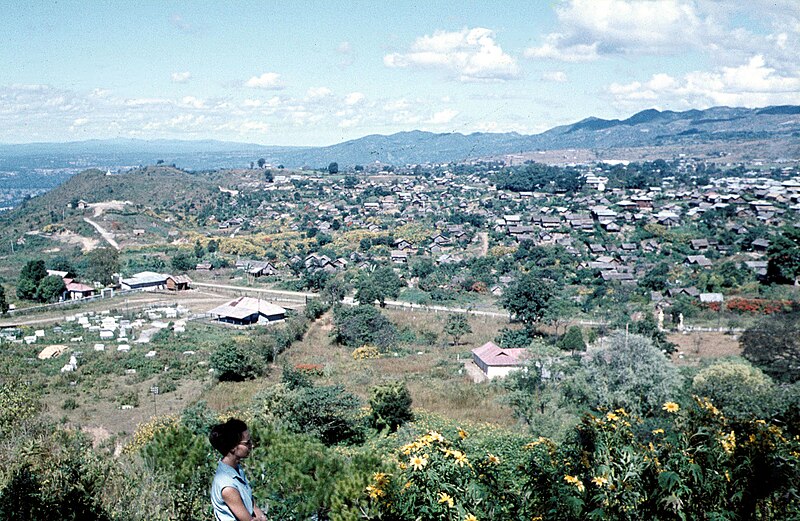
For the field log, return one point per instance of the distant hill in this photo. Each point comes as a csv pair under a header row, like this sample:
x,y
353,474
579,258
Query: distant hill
x,y
649,128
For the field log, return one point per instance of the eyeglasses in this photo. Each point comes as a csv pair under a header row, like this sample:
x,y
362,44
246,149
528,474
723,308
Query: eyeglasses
x,y
247,443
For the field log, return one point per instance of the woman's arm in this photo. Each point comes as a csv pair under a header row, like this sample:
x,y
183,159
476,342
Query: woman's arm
x,y
234,501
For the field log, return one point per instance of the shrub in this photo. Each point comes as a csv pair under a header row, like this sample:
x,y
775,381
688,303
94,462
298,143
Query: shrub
x,y
363,324
232,361
391,406
366,352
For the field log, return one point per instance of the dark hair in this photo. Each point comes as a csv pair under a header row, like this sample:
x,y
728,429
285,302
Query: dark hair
x,y
226,436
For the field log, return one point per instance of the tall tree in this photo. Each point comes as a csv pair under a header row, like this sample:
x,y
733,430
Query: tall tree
x,y
528,298
784,256
50,289
773,345
333,168
102,264
457,326
30,276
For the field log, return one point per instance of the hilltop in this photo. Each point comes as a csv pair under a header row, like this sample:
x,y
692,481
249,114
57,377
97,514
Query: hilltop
x,y
754,133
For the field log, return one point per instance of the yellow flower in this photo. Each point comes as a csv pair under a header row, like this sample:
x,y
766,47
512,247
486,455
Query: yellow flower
x,y
572,480
658,431
728,442
380,478
418,462
460,458
435,436
671,407
470,517
445,498
612,417
375,492
600,481
494,460
462,434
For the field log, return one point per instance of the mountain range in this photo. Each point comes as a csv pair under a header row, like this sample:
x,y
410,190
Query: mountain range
x,y
773,132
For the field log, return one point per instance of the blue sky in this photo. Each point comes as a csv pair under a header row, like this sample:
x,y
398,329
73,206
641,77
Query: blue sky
x,y
318,73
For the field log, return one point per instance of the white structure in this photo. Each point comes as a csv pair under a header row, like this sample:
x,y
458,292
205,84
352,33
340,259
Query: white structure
x,y
496,362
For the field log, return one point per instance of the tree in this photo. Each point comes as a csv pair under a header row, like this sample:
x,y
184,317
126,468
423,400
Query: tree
x,y
735,387
630,372
3,301
32,273
783,265
457,326
333,168
527,298
199,251
233,361
183,261
379,285
102,264
573,340
361,325
656,278
261,162
50,289
773,345
391,406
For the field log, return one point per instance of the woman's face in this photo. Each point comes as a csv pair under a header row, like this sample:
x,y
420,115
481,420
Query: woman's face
x,y
242,450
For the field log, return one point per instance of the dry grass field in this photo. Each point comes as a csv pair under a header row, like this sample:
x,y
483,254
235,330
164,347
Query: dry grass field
x,y
434,374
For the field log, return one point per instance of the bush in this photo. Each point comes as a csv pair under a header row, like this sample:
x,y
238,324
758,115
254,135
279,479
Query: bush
x,y
365,353
70,404
234,362
315,308
391,406
363,324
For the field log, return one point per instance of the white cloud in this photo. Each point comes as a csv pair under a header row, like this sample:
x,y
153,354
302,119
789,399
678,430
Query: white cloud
x,y
555,76
318,92
752,84
79,122
353,98
268,80
443,116
181,77
344,48
195,103
470,55
591,28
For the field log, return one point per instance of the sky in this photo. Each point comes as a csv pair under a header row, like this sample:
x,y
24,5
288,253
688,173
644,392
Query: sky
x,y
322,72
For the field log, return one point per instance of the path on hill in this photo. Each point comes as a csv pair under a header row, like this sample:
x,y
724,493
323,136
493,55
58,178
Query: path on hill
x,y
484,243
107,235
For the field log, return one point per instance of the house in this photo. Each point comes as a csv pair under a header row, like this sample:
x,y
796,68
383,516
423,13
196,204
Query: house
x,y
248,310
698,260
76,290
178,282
495,361
399,257
145,280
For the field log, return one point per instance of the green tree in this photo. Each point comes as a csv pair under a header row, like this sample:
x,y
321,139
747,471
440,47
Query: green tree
x,y
3,301
527,298
656,278
360,325
50,289
183,261
199,251
233,361
783,264
102,264
573,340
32,273
630,372
379,285
390,406
773,345
261,162
457,326
333,168
740,390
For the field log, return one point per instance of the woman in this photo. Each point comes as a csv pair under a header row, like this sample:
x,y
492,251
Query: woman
x,y
231,494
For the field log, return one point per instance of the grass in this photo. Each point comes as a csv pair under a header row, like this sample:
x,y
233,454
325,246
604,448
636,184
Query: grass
x,y
433,374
